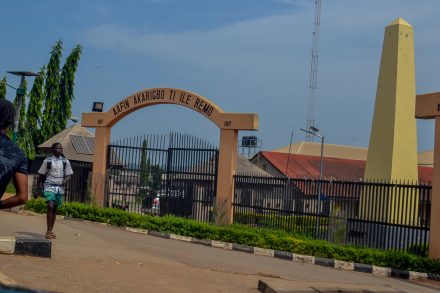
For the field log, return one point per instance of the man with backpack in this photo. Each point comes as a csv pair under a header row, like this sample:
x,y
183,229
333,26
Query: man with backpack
x,y
55,172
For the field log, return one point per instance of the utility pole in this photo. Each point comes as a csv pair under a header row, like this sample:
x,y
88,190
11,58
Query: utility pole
x,y
21,94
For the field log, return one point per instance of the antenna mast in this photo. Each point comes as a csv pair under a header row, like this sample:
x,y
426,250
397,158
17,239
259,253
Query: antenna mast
x,y
313,83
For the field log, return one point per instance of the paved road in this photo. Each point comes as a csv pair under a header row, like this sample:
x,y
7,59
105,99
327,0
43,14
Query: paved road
x,y
95,258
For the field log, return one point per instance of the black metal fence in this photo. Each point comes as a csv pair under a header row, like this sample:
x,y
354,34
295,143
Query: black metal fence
x,y
163,174
76,189
372,214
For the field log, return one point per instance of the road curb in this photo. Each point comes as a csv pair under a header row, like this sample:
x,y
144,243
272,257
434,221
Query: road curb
x,y
26,245
264,287
285,255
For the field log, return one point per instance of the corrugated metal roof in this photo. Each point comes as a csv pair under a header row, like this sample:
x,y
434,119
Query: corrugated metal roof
x,y
330,150
246,167
243,167
342,151
302,166
426,158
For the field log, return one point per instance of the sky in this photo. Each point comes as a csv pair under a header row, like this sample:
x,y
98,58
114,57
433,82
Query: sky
x,y
246,56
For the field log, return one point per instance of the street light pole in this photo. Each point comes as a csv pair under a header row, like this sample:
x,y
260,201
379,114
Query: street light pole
x,y
322,155
313,131
21,93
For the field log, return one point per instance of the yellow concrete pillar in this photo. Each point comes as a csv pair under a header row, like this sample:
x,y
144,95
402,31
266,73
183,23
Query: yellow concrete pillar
x,y
102,139
225,179
428,107
392,151
30,185
434,235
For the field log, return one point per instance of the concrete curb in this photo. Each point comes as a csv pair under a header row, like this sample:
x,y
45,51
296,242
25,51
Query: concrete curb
x,y
289,256
264,287
26,245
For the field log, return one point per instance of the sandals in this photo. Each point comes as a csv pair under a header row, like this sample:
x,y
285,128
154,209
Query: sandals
x,y
50,235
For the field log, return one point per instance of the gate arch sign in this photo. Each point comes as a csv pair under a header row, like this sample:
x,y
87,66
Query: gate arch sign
x,y
228,123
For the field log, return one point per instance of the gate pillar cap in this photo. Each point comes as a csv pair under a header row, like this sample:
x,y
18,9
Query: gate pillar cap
x,y
428,105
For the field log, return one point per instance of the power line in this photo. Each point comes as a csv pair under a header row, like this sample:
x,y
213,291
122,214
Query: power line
x,y
8,84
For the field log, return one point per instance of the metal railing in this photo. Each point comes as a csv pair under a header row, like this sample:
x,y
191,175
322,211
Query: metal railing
x,y
386,215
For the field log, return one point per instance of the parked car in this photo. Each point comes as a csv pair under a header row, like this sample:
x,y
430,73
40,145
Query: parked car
x,y
155,206
151,204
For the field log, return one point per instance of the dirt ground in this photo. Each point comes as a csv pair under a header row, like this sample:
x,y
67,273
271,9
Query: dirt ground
x,y
95,258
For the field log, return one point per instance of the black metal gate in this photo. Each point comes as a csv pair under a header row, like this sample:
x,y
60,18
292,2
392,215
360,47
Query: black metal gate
x,y
162,174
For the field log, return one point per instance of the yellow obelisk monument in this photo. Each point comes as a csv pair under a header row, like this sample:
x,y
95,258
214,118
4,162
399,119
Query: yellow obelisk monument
x,y
392,152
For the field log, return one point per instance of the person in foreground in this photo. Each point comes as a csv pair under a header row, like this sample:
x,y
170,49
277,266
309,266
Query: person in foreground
x,y
13,161
55,172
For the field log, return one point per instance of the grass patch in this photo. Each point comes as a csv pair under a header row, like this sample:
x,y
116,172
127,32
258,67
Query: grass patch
x,y
10,188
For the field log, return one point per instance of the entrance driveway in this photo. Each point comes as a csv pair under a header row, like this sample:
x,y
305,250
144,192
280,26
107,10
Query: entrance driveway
x,y
95,258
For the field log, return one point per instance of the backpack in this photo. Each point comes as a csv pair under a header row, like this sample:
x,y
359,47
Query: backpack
x,y
49,166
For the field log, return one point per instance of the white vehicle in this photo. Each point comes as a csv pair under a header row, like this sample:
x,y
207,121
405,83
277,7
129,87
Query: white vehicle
x,y
155,207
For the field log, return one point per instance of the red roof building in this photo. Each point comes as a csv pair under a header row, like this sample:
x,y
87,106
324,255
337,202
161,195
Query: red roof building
x,y
304,166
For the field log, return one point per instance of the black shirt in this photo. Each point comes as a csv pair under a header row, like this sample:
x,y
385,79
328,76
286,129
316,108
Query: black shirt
x,y
12,160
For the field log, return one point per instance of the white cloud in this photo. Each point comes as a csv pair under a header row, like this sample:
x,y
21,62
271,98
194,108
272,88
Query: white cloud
x,y
240,44
271,56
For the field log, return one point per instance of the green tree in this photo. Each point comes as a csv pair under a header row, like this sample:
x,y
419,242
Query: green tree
x,y
22,131
3,88
144,179
66,87
51,97
51,90
25,142
156,178
150,177
33,116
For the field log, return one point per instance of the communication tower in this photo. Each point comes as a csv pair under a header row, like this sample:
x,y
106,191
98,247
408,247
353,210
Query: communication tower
x,y
313,82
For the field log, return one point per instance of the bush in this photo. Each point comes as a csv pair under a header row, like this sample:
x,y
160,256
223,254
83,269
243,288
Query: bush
x,y
419,249
272,220
240,234
37,205
10,188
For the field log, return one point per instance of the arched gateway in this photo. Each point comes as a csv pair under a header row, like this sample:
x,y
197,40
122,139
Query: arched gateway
x,y
229,124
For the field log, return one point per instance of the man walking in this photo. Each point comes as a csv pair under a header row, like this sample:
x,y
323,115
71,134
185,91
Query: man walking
x,y
55,172
13,162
